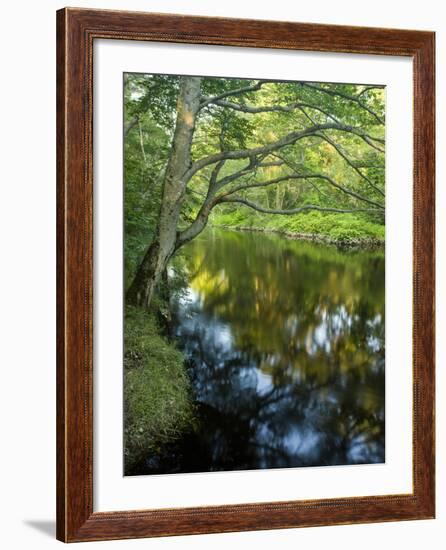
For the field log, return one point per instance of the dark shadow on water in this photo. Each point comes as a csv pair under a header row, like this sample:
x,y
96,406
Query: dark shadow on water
x,y
45,526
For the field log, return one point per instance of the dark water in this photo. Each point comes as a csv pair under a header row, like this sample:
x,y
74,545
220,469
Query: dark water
x,y
285,345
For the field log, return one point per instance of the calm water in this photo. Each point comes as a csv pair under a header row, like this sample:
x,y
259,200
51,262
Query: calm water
x,y
284,342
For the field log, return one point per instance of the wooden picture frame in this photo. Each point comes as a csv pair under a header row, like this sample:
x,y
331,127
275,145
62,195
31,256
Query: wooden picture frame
x,y
76,31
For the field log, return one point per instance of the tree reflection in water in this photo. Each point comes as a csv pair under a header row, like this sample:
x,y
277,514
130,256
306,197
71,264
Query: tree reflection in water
x,y
285,345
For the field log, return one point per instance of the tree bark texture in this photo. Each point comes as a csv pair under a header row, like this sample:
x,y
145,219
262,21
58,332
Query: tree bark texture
x,y
174,187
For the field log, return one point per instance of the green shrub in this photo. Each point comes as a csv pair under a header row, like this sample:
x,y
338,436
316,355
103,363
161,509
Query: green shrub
x,y
330,226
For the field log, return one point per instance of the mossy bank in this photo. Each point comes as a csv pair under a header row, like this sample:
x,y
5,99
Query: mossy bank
x,y
157,392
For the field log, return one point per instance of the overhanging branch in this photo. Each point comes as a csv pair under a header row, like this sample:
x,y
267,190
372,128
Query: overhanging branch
x,y
251,88
349,161
289,139
252,109
303,208
310,176
347,97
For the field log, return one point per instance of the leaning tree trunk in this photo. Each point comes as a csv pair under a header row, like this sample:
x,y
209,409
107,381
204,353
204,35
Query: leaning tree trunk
x,y
163,245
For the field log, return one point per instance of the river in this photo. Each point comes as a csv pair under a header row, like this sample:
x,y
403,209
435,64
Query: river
x,y
284,342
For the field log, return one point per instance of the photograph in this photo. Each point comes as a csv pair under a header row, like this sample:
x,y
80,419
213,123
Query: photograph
x,y
254,273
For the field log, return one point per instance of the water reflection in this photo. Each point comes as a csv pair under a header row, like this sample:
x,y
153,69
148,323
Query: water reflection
x,y
285,346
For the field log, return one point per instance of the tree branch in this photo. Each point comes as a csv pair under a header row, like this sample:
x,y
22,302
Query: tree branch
x,y
250,167
273,146
252,109
252,88
340,151
349,161
303,208
367,88
345,96
215,185
214,175
288,177
199,223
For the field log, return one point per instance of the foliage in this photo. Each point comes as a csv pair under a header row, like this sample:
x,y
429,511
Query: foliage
x,y
158,404
144,156
299,158
340,167
333,228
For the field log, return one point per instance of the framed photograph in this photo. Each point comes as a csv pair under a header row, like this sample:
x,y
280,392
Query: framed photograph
x,y
245,275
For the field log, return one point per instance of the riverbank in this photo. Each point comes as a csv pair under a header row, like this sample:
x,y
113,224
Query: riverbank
x,y
341,230
157,392
345,242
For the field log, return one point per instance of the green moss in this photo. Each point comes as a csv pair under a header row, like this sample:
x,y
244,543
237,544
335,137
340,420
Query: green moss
x,y
157,399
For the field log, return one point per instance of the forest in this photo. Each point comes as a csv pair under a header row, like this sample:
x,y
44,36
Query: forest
x,y
303,160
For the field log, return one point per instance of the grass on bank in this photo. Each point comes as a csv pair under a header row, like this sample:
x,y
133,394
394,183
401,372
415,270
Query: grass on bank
x,y
157,394
335,228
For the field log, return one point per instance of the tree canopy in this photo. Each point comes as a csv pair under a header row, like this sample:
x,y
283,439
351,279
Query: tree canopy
x,y
196,147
